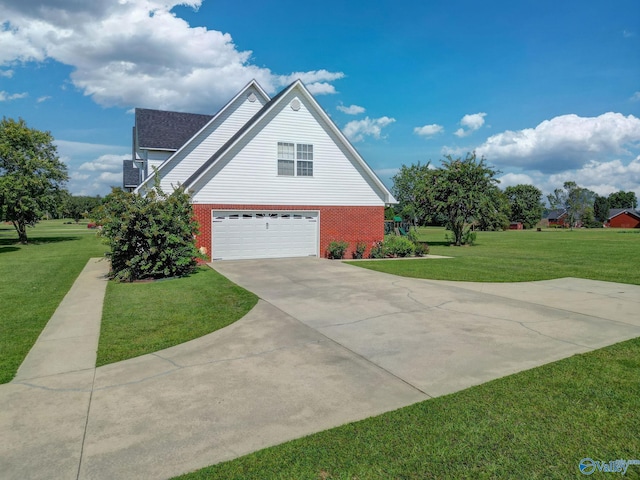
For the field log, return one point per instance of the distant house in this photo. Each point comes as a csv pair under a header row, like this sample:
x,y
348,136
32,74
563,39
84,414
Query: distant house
x,y
516,226
623,218
558,218
269,177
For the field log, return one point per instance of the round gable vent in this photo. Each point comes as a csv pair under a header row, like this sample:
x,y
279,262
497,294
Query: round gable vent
x,y
252,97
295,105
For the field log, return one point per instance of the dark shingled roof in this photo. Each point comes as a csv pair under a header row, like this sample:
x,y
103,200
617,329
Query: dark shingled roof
x,y
167,130
130,174
556,214
614,212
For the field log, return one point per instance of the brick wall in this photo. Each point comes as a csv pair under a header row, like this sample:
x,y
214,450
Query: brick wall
x,y
350,223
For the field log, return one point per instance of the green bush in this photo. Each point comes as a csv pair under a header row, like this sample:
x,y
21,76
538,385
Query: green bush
x,y
336,249
358,253
149,237
395,246
377,250
422,249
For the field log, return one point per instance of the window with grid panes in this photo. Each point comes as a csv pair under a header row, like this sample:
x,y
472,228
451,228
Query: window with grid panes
x,y
295,159
286,158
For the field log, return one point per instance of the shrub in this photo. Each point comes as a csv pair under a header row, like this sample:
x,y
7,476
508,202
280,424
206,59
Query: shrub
x,y
358,253
336,249
377,250
395,246
422,249
151,236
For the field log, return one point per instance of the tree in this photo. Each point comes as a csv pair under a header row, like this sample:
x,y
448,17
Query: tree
x,y
493,212
411,189
31,175
623,199
526,204
78,207
462,190
601,208
151,236
575,200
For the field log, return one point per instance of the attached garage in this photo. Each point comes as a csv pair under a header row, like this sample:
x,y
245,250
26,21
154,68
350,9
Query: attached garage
x,y
242,234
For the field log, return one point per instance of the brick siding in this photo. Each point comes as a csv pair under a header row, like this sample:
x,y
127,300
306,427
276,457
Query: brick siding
x,y
350,223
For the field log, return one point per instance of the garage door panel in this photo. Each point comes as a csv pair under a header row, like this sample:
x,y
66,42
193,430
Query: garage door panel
x,y
240,235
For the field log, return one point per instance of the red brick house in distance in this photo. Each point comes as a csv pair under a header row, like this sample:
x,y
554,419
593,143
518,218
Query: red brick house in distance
x,y
269,177
623,218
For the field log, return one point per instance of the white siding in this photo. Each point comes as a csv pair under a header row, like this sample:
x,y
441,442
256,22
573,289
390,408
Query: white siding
x,y
187,160
248,174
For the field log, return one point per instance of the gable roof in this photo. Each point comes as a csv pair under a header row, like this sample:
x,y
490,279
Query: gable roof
x,y
266,109
192,125
556,214
614,212
165,130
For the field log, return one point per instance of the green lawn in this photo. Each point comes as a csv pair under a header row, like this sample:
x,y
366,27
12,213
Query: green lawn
x,y
34,279
525,255
141,318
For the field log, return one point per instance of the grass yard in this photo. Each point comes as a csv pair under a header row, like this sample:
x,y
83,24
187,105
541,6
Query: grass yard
x,y
141,318
536,424
34,279
525,255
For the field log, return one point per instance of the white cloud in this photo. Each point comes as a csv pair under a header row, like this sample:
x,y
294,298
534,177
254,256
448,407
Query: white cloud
x,y
6,73
472,122
43,98
635,97
138,52
351,109
513,179
356,130
563,143
428,130
6,97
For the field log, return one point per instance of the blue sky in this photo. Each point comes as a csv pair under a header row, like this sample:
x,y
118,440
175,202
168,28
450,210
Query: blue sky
x,y
546,91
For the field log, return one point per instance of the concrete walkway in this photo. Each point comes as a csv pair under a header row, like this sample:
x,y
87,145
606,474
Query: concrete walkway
x,y
327,344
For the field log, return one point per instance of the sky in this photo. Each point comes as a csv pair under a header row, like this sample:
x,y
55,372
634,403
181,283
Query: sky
x,y
546,91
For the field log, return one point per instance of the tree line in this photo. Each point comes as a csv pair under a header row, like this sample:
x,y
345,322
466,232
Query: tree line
x,y
463,195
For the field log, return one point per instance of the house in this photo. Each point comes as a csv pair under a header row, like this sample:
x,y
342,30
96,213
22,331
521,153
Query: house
x,y
623,218
516,226
558,218
269,177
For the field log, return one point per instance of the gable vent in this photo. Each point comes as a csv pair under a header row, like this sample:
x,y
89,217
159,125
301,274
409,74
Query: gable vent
x,y
252,97
295,105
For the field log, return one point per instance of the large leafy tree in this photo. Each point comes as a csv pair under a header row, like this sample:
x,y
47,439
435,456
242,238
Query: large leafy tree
x,y
79,206
575,200
411,189
526,204
493,212
31,175
462,190
623,199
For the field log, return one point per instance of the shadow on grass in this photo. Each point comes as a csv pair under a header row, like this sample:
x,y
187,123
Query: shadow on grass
x,y
8,249
37,240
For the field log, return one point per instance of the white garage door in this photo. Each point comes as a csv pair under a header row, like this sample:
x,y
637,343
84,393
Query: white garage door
x,y
268,234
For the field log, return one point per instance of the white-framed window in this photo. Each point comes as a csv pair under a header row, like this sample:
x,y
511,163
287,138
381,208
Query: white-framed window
x,y
295,159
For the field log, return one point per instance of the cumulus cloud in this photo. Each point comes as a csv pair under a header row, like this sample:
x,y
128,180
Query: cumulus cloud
x,y
351,109
563,143
6,97
513,179
44,98
472,122
428,130
6,73
138,52
635,97
356,130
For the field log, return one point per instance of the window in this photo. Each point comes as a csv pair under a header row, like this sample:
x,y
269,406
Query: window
x,y
295,159
285,158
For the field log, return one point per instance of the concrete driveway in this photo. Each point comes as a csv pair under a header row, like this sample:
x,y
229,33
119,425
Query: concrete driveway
x,y
327,344
440,337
